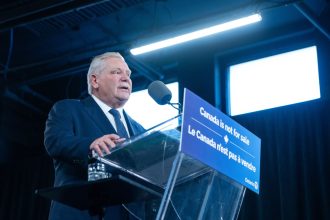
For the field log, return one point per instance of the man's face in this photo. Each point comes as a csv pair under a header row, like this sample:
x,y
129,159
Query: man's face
x,y
114,85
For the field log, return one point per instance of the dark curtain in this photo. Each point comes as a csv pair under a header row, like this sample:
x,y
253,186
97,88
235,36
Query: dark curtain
x,y
295,156
19,179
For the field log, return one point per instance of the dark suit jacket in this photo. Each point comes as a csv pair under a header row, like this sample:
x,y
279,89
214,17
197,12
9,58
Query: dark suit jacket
x,y
71,127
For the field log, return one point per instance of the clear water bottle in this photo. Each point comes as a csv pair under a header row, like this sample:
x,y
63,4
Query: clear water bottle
x,y
97,171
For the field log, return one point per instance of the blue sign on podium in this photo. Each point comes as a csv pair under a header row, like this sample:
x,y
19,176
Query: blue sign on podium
x,y
218,141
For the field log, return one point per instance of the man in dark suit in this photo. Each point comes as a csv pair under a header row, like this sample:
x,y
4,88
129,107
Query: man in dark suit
x,y
76,127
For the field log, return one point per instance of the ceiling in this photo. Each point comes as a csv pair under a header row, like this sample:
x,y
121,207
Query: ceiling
x,y
46,46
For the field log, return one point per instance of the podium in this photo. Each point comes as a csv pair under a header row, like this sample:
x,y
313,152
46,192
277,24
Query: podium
x,y
150,169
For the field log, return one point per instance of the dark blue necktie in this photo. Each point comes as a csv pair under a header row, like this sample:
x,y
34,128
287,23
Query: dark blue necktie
x,y
121,130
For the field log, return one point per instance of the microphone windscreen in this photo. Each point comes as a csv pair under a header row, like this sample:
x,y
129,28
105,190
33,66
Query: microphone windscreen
x,y
159,92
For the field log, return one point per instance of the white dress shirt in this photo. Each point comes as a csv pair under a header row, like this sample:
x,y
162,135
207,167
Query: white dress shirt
x,y
105,108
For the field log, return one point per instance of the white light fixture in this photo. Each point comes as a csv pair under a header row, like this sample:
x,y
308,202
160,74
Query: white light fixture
x,y
197,34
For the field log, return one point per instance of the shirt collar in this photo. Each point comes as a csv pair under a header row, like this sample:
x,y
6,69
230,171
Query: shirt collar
x,y
105,108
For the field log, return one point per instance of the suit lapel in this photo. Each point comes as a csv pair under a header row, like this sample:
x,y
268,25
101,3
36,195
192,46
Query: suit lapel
x,y
132,129
129,125
96,114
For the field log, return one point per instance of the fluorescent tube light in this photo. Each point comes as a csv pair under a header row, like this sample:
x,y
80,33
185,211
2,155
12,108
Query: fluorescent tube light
x,y
197,34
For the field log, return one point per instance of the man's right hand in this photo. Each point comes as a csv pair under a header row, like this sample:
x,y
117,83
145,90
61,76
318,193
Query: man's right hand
x,y
104,144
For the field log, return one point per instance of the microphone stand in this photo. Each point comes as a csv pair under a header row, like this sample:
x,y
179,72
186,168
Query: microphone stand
x,y
177,106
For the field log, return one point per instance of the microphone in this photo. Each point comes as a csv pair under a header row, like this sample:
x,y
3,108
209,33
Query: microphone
x,y
159,92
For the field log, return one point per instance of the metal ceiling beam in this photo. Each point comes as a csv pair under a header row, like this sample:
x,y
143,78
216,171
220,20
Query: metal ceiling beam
x,y
268,40
11,95
305,11
55,75
40,10
35,94
145,70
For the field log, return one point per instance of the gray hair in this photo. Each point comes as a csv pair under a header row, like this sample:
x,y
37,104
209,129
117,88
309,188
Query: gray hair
x,y
97,66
